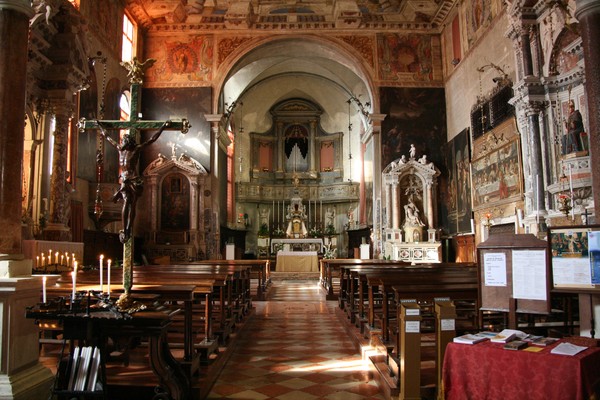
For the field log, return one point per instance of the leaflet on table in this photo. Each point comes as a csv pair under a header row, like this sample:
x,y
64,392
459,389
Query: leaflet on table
x,y
567,349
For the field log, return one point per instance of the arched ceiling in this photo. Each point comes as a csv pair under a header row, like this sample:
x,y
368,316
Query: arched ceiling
x,y
295,68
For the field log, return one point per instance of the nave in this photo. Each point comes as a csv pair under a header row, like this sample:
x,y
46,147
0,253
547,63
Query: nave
x,y
294,347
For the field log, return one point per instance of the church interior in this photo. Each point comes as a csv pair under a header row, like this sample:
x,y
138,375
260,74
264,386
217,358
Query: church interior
x,y
397,172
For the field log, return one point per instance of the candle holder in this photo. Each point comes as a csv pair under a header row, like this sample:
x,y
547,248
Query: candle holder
x,y
487,221
564,202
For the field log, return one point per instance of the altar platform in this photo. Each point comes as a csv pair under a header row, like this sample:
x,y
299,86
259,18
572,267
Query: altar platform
x,y
297,261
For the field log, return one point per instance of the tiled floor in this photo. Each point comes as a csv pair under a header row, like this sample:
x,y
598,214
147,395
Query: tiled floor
x,y
294,348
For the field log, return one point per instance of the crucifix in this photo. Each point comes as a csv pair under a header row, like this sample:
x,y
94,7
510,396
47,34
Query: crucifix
x,y
131,183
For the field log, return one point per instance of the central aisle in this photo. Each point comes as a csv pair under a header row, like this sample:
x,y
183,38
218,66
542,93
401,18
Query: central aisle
x,y
295,348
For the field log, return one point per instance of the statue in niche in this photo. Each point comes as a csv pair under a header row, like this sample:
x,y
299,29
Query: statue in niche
x,y
296,216
411,212
329,216
572,141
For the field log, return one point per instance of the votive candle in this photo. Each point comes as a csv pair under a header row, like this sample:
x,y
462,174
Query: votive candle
x,y
108,276
101,277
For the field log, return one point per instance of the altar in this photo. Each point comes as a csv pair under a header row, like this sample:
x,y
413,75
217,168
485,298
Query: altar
x,y
312,244
297,261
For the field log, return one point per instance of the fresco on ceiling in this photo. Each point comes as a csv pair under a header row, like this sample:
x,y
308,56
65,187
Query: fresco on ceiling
x,y
180,62
479,15
363,44
404,57
456,210
414,116
227,46
171,103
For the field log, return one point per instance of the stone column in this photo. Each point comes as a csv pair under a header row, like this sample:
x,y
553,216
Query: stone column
x,y
430,215
14,28
280,147
535,152
21,374
526,51
395,206
388,205
58,229
311,143
588,14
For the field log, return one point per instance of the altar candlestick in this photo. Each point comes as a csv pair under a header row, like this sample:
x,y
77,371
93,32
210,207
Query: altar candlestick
x,y
43,260
56,258
37,261
108,276
44,289
62,257
67,264
101,277
49,256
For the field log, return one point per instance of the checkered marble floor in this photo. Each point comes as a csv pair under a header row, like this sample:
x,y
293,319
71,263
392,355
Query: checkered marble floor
x,y
293,348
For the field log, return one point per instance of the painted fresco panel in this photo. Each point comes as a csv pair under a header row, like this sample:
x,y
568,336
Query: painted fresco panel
x,y
184,62
405,57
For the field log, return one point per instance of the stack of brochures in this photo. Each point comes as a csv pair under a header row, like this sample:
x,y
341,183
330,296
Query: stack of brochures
x,y
507,335
472,338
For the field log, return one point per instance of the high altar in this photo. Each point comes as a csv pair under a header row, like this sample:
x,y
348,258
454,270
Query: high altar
x,y
296,232
409,213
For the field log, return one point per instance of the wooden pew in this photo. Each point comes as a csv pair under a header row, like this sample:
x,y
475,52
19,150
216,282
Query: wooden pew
x,y
330,268
378,282
261,271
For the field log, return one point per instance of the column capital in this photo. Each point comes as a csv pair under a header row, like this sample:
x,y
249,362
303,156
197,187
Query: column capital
x,y
22,6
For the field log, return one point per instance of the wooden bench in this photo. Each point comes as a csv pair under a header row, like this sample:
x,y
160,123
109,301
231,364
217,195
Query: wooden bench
x,y
330,269
261,271
378,284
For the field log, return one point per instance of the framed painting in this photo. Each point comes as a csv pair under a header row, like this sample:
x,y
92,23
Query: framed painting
x,y
497,176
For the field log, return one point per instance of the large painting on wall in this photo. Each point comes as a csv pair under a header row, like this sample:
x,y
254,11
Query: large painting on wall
x,y
168,103
456,194
414,116
497,175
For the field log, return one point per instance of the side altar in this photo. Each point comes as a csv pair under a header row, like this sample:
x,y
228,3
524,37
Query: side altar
x,y
410,210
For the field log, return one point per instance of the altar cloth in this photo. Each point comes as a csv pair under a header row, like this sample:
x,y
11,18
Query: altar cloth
x,y
297,261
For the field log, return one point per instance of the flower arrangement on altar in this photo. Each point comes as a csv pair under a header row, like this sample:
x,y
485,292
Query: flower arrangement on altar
x,y
330,230
315,232
564,202
278,233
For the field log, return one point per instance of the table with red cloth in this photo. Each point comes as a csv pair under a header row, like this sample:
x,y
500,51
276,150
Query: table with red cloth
x,y
487,371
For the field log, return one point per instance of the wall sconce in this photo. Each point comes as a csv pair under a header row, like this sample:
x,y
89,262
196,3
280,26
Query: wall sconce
x,y
487,221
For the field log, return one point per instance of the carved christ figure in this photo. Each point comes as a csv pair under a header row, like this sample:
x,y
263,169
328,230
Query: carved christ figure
x,y
131,183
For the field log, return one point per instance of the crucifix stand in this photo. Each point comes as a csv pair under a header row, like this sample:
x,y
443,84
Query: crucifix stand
x,y
131,182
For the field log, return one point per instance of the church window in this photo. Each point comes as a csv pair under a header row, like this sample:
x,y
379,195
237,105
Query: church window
x,y
127,48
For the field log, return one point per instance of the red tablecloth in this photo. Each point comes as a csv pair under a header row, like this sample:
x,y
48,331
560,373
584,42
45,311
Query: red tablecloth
x,y
487,371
